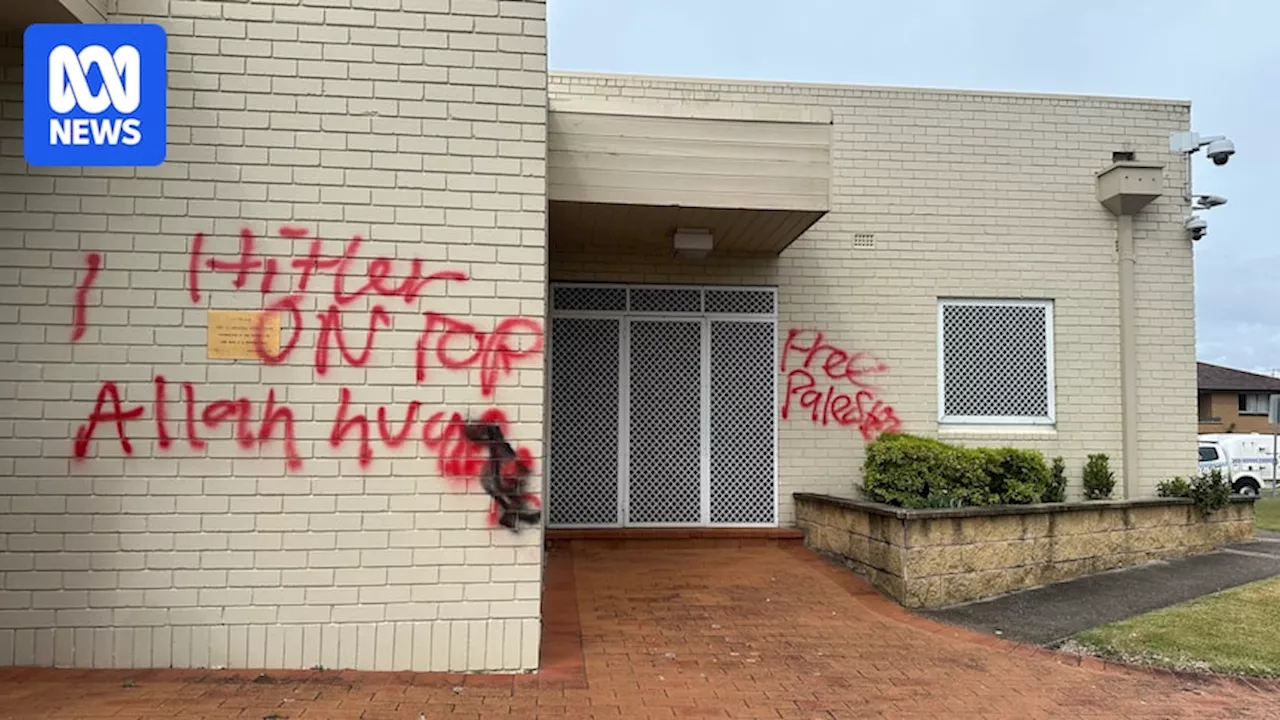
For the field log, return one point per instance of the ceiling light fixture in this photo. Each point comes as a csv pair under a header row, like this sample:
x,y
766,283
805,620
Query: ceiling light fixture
x,y
692,243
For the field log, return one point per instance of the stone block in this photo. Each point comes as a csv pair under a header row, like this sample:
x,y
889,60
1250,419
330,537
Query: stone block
x,y
892,585
1147,539
884,556
989,529
951,589
1159,516
1090,520
887,529
1074,547
857,522
1240,531
977,557
934,531
859,548
838,540
1038,525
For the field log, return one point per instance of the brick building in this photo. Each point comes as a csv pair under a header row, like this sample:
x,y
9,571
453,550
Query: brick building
x,y
683,300
1233,401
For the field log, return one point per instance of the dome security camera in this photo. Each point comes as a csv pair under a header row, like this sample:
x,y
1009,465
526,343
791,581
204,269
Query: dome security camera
x,y
1196,226
1218,147
1220,151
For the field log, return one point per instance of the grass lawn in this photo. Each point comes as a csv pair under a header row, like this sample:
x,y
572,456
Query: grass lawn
x,y
1268,510
1235,631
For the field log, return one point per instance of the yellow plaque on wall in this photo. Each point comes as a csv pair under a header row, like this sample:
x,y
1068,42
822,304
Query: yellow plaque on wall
x,y
230,334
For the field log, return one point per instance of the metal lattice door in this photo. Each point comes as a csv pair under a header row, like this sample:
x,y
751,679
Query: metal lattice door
x,y
664,479
662,406
584,421
742,429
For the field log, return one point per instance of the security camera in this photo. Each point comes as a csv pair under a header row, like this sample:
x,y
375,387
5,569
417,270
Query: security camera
x,y
1220,151
1196,226
1207,202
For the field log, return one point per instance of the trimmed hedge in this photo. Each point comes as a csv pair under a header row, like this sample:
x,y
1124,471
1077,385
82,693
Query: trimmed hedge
x,y
917,472
1210,490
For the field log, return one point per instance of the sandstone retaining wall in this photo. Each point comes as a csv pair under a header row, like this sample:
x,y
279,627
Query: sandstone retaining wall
x,y
934,558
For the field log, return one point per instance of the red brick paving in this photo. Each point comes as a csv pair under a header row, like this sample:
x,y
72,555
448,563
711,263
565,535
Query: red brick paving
x,y
670,629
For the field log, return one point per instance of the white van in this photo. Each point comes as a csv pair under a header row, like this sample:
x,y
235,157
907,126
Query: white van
x,y
1246,458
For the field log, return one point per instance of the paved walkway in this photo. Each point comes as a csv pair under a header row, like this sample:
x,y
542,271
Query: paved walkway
x,y
1047,615
651,629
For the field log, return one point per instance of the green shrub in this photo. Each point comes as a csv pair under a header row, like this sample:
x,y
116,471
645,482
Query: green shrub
x,y
915,472
1209,490
1056,491
1016,476
1177,487
1099,480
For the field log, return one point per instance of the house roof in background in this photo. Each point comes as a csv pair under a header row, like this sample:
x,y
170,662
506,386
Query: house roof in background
x,y
1215,377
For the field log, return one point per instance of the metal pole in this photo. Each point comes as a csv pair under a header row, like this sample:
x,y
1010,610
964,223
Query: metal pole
x,y
1274,417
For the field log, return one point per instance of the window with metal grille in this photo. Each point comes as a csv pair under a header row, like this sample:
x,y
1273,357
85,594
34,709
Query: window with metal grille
x,y
748,302
995,361
666,300
573,297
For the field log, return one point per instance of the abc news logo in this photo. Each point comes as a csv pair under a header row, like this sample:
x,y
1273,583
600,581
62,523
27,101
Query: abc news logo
x,y
95,94
121,90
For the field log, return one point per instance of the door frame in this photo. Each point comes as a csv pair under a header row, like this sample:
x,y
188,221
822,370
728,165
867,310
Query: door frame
x,y
625,318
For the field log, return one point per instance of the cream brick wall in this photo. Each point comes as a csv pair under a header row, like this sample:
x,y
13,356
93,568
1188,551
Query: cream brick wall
x,y
419,126
967,194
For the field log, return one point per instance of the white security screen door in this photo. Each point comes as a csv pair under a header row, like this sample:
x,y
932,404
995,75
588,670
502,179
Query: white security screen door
x,y
742,423
584,420
662,406
664,433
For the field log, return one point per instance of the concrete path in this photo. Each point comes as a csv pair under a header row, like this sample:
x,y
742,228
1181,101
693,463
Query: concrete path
x,y
1049,614
655,630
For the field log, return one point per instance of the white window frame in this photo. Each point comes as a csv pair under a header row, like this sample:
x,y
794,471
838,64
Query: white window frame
x,y
1265,404
998,420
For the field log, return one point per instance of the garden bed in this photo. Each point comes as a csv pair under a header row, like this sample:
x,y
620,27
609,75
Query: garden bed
x,y
929,558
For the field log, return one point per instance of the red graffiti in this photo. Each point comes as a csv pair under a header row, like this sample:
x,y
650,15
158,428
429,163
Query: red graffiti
x,y
396,439
242,267
331,329
377,273
272,415
445,343
117,415
827,403
93,263
288,304
189,394
162,429
457,458
490,353
193,268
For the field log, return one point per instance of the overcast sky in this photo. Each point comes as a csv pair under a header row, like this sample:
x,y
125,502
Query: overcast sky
x,y
1224,56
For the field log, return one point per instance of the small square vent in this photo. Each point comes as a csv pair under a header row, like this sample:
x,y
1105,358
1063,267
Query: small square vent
x,y
864,241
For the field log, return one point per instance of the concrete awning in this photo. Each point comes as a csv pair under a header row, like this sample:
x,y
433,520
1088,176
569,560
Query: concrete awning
x,y
628,173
